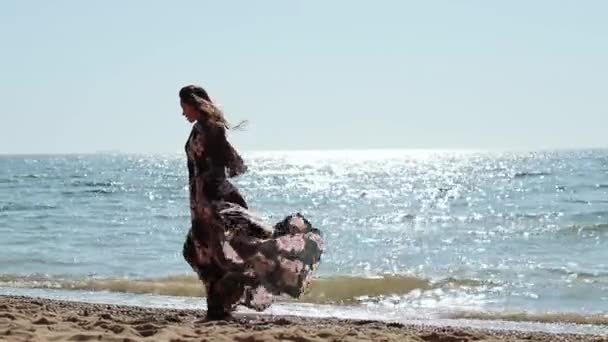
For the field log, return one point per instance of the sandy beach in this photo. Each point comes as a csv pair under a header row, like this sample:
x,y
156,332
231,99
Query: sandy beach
x,y
35,319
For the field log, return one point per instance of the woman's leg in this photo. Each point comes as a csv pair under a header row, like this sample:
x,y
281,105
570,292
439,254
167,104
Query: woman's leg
x,y
227,292
216,310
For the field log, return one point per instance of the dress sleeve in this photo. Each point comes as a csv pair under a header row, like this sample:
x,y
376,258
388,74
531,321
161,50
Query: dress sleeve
x,y
236,166
224,153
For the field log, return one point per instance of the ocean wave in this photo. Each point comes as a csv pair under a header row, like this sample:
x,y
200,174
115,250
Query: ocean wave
x,y
70,193
576,201
99,191
335,290
92,187
332,290
32,176
578,275
94,184
596,228
530,174
25,207
522,316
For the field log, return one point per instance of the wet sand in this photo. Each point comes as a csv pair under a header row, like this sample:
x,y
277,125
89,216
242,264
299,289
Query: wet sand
x,y
35,319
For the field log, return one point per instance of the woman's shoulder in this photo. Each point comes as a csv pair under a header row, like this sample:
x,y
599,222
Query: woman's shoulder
x,y
199,128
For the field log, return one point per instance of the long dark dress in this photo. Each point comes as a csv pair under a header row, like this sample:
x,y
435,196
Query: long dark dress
x,y
239,258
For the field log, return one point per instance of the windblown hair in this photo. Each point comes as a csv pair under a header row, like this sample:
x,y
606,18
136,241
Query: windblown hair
x,y
214,123
197,97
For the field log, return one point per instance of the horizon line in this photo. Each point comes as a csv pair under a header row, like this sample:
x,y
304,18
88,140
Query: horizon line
x,y
387,149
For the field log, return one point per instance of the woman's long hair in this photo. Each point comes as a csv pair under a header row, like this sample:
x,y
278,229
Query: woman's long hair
x,y
215,124
197,97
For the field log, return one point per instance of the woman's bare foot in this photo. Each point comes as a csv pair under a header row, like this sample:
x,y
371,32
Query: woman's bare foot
x,y
218,316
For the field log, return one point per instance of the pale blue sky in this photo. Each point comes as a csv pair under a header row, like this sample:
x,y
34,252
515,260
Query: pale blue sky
x,y
82,76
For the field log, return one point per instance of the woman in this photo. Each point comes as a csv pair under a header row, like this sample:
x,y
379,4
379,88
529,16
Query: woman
x,y
240,259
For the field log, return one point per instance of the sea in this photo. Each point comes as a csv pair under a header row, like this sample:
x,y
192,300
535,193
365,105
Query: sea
x,y
512,239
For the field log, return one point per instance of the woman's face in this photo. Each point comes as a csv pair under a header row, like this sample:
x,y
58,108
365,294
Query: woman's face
x,y
189,112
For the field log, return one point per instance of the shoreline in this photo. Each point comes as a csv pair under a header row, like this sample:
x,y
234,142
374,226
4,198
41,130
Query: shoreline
x,y
32,318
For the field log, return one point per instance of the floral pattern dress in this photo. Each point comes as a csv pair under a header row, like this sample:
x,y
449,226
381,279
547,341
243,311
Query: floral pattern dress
x,y
240,258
